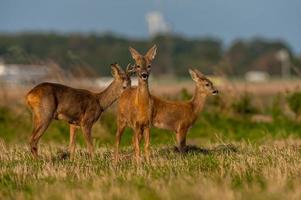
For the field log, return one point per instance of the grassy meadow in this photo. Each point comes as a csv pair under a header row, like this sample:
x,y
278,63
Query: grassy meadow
x,y
239,148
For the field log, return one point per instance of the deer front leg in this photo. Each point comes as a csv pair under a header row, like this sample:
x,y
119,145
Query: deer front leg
x,y
140,138
146,134
88,138
137,133
72,141
119,132
181,139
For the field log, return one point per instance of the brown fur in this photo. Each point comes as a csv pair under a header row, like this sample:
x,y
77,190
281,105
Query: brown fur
x,y
135,105
179,116
78,107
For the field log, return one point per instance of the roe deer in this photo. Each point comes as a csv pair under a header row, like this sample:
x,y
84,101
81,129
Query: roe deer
x,y
179,116
135,105
80,108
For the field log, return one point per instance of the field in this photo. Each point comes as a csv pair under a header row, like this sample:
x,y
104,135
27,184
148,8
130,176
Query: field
x,y
269,170
238,151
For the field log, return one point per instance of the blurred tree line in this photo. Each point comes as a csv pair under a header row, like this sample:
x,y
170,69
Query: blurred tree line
x,y
94,53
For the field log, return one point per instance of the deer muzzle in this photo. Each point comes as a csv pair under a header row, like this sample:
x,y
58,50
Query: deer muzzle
x,y
144,76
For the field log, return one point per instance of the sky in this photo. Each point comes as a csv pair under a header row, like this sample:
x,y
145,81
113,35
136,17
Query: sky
x,y
226,20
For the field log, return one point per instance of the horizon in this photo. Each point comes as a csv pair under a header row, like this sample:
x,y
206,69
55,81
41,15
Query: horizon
x,y
146,38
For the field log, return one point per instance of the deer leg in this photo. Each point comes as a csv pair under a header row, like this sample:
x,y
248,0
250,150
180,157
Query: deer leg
x,y
72,141
146,134
40,126
137,133
181,139
140,138
119,133
88,138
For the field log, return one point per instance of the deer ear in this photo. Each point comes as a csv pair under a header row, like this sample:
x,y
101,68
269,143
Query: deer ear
x,y
130,69
200,74
193,75
135,54
116,71
150,55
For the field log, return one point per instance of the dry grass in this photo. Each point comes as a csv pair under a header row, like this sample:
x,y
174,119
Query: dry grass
x,y
268,167
268,171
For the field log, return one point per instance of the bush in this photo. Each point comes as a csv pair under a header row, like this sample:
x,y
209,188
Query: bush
x,y
244,105
185,95
294,102
276,108
220,103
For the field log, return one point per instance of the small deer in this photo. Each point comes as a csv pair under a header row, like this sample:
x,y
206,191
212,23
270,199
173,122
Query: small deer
x,y
179,116
135,105
80,108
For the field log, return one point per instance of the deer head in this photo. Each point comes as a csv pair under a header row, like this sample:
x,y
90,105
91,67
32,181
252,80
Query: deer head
x,y
203,84
143,63
121,77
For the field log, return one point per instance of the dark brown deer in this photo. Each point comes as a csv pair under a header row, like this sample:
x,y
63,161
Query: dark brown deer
x,y
135,105
80,108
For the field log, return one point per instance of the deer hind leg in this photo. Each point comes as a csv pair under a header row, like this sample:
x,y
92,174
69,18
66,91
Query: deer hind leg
x,y
181,139
146,134
40,125
88,138
72,140
119,133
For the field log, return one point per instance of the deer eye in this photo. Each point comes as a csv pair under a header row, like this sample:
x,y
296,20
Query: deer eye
x,y
207,84
149,66
138,66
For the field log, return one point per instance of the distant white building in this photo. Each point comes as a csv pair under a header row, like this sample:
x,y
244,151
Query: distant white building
x,y
156,23
257,76
105,81
20,74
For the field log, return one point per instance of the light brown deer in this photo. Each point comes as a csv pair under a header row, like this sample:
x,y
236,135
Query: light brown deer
x,y
179,116
80,108
135,105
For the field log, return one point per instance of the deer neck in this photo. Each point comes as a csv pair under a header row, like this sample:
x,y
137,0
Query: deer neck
x,y
198,100
143,94
108,96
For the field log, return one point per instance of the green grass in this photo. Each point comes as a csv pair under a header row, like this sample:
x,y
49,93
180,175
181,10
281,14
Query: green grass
x,y
262,162
15,126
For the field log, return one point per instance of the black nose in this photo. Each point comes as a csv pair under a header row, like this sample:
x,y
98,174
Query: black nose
x,y
215,92
144,75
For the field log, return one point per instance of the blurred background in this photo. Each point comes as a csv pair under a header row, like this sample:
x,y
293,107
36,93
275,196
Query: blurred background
x,y
251,50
